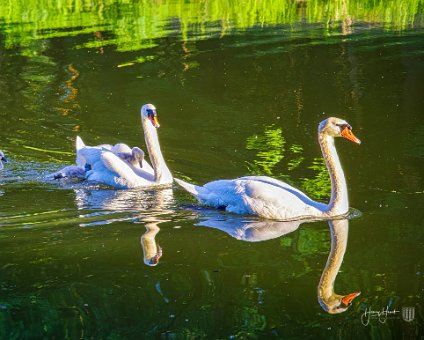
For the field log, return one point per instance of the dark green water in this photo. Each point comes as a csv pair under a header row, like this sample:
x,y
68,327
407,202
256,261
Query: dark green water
x,y
237,93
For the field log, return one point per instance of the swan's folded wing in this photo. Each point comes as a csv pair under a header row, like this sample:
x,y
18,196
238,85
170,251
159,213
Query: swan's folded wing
x,y
147,167
125,174
277,202
88,155
278,183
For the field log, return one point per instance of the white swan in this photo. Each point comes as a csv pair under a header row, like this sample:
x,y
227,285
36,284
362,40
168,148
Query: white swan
x,y
2,159
274,199
331,302
134,157
78,171
105,165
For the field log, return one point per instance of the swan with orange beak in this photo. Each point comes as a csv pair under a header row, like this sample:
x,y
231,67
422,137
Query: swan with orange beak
x,y
274,199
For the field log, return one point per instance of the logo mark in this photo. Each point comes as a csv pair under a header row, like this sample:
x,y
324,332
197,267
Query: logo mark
x,y
408,313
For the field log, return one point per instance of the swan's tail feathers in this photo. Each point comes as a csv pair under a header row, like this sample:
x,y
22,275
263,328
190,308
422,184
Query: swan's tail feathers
x,y
194,190
79,143
80,160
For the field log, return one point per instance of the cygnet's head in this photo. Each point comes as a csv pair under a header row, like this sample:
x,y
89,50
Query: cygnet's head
x,y
134,156
2,159
336,127
148,112
138,154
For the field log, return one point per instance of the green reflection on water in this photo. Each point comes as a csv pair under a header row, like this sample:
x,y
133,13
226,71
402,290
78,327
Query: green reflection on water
x,y
320,185
136,25
270,147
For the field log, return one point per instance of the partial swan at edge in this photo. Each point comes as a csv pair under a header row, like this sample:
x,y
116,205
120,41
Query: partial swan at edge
x,y
2,159
274,199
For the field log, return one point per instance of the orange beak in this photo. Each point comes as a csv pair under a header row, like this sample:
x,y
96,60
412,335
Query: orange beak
x,y
347,300
154,259
154,121
348,134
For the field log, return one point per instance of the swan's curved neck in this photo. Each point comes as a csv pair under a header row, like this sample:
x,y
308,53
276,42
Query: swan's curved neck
x,y
148,243
339,203
339,230
162,173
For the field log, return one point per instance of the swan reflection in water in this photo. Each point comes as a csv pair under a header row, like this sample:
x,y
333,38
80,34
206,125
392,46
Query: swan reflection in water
x,y
249,230
143,206
152,252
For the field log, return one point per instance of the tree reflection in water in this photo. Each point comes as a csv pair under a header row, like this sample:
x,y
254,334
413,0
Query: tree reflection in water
x,y
133,26
270,147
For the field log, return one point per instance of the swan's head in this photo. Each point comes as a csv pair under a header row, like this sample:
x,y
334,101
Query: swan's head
x,y
148,112
338,303
2,159
336,127
154,260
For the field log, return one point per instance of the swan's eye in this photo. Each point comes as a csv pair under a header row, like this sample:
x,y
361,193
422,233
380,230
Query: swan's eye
x,y
151,113
343,126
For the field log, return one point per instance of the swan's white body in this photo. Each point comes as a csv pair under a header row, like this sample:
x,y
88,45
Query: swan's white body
x,y
134,157
274,199
105,165
2,159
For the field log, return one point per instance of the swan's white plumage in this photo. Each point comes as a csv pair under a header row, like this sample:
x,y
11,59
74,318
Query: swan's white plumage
x,y
274,199
68,172
105,166
2,159
256,195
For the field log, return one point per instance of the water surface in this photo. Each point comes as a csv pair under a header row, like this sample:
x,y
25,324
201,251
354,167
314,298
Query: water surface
x,y
239,90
